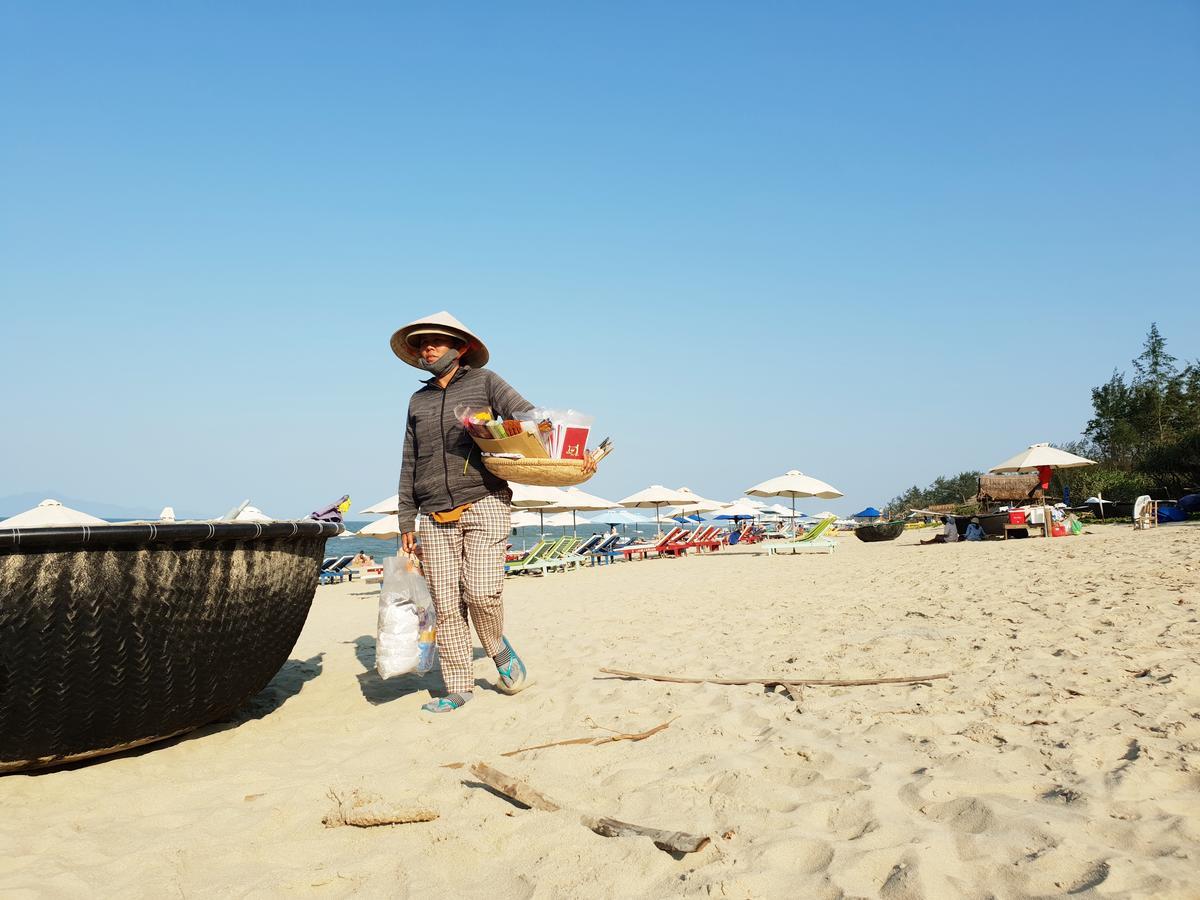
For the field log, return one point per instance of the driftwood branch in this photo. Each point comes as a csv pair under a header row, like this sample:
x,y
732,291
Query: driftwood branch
x,y
786,680
514,788
596,741
365,810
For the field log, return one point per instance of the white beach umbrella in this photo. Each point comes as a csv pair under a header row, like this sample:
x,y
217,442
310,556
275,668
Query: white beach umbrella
x,y
696,503
533,496
574,501
524,518
740,509
780,510
252,514
384,507
50,514
794,484
1042,458
387,527
655,496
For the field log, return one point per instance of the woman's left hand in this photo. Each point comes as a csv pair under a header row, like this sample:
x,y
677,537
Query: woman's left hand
x,y
589,465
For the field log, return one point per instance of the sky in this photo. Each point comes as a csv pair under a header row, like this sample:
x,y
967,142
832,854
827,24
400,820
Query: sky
x,y
876,242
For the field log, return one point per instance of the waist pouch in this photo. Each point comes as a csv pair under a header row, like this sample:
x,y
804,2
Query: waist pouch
x,y
450,515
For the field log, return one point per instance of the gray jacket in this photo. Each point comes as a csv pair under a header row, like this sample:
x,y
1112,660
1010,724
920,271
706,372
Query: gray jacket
x,y
442,467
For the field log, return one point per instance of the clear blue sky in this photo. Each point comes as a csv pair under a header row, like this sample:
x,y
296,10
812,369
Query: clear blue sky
x,y
748,237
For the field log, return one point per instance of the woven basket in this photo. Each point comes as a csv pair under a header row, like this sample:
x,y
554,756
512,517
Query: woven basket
x,y
116,636
545,472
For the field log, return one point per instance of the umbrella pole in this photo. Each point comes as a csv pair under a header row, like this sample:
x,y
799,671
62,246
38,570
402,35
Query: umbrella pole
x,y
574,533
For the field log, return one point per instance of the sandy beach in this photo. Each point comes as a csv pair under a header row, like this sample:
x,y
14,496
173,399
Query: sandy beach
x,y
1059,758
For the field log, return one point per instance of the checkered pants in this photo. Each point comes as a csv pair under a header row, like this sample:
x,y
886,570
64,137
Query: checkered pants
x,y
464,565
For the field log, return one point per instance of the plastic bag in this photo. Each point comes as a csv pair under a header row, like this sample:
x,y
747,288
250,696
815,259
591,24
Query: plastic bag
x,y
406,635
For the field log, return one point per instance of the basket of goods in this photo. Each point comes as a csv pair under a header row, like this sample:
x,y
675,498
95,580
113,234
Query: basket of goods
x,y
545,447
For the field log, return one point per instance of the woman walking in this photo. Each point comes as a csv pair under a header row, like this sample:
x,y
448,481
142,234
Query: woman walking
x,y
466,508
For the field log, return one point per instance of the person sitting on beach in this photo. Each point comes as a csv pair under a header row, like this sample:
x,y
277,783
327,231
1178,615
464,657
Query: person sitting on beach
x,y
362,559
948,536
974,530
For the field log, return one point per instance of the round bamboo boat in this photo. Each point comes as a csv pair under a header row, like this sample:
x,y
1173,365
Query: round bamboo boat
x,y
120,635
881,531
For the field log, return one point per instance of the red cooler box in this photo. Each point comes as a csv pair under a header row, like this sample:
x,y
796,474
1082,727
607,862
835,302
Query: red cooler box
x,y
1016,517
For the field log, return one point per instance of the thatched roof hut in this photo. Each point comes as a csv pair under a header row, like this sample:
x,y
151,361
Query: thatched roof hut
x,y
1009,488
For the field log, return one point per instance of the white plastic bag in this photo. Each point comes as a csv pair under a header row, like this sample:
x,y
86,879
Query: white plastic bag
x,y
405,607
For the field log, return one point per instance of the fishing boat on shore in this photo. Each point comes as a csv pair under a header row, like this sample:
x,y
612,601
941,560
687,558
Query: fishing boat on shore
x,y
880,531
115,636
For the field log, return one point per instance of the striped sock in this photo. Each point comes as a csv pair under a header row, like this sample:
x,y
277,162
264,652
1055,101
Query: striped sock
x,y
503,658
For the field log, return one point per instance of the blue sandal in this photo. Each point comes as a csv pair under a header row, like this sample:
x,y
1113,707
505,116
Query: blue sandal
x,y
446,704
514,677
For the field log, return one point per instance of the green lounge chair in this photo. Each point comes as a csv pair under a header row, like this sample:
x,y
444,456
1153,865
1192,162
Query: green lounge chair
x,y
532,559
810,542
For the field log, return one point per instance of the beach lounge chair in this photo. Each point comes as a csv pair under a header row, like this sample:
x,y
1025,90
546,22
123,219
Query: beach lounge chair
x,y
605,550
813,541
533,557
563,556
634,550
533,552
695,540
342,566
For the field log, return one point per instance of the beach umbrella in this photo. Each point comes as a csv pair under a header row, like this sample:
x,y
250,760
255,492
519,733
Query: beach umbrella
x,y
384,507
616,517
252,514
738,510
869,513
387,527
533,496
1043,459
49,514
795,484
574,500
655,496
698,504
524,518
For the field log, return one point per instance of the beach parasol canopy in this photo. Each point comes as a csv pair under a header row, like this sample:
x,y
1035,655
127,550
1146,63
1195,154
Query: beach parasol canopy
x,y
252,514
869,513
50,514
387,527
739,509
794,483
533,496
1039,456
1043,459
655,496
696,503
384,507
574,500
524,518
617,517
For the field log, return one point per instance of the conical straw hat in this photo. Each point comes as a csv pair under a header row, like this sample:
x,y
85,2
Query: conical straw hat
x,y
475,354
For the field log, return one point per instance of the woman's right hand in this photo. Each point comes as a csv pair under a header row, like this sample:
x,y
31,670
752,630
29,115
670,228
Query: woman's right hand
x,y
408,541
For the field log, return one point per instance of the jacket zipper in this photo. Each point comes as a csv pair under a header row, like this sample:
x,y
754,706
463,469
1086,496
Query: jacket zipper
x,y
442,429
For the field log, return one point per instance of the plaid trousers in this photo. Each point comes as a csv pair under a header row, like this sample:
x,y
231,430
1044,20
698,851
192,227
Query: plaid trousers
x,y
464,565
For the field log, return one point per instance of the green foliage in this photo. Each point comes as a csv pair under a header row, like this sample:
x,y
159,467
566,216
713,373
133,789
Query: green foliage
x,y
1144,433
960,490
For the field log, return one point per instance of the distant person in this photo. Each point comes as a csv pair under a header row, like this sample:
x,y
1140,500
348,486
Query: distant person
x,y
949,534
362,559
975,530
612,532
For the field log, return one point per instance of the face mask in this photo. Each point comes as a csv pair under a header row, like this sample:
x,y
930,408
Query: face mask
x,y
440,366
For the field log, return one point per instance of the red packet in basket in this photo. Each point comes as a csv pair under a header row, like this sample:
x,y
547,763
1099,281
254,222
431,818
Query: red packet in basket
x,y
574,441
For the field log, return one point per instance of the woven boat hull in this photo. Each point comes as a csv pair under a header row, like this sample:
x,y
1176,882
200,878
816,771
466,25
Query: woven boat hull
x,y
119,642
883,531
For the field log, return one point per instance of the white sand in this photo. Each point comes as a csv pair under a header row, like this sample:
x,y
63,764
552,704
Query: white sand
x,y
1060,757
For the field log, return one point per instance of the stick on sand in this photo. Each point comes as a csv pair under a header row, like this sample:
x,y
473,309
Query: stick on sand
x,y
596,741
778,679
515,789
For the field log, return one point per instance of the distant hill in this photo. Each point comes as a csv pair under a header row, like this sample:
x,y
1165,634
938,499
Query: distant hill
x,y
15,503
